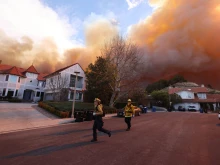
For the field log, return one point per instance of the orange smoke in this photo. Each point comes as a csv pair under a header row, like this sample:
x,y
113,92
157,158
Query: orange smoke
x,y
45,55
181,37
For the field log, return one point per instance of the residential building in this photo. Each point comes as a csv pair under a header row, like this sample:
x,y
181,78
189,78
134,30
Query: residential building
x,y
194,95
27,84
65,78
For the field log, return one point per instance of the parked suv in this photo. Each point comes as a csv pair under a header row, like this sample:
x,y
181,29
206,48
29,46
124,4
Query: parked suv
x,y
192,108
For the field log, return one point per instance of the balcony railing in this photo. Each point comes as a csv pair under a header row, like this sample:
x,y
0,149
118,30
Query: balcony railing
x,y
77,85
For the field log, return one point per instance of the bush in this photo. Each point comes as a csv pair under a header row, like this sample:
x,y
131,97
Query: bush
x,y
64,109
15,100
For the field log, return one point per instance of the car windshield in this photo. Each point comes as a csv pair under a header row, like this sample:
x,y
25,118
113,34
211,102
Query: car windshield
x,y
191,106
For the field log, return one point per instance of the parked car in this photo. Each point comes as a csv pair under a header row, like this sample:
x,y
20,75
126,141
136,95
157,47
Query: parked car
x,y
219,115
192,108
180,108
120,112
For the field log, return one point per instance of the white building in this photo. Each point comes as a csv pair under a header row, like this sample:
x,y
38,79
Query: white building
x,y
65,78
195,96
26,84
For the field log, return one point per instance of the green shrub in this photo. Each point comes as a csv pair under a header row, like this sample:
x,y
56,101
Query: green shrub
x,y
15,100
64,109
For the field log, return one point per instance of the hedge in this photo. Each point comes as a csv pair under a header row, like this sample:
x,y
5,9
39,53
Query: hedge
x,y
61,114
66,111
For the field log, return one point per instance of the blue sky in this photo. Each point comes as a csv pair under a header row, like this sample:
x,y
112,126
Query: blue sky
x,y
78,11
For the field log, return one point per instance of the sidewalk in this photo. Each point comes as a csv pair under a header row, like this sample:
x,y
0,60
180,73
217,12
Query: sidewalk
x,y
26,125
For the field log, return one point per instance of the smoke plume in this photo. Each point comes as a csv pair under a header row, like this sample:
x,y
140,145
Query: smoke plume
x,y
180,36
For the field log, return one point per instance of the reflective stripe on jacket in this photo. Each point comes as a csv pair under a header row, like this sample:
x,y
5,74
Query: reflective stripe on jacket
x,y
98,110
129,110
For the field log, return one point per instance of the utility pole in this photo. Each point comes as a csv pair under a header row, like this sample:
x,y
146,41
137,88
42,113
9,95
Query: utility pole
x,y
74,96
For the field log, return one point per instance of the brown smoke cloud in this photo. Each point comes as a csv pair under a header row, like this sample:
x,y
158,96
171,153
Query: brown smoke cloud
x,y
23,53
96,35
44,55
181,37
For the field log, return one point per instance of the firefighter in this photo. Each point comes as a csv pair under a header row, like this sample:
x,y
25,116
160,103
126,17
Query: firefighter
x,y
98,123
129,113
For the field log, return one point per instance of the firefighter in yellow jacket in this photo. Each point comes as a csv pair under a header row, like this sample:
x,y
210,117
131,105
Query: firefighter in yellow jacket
x,y
129,113
98,123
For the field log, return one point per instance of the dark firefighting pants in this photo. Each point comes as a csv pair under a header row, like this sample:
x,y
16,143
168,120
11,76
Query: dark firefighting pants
x,y
98,124
128,121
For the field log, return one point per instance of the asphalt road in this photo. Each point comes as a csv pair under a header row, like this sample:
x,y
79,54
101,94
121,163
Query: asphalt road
x,y
155,139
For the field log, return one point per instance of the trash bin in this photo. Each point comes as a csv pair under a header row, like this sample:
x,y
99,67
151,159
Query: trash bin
x,y
89,115
201,111
78,115
153,109
145,109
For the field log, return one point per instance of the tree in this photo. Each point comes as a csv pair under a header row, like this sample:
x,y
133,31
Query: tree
x,y
164,98
57,84
157,86
161,84
176,79
124,61
99,76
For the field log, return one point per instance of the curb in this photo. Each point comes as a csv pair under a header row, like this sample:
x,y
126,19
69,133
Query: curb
x,y
60,123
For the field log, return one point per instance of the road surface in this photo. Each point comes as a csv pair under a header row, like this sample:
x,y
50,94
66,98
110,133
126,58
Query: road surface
x,y
155,139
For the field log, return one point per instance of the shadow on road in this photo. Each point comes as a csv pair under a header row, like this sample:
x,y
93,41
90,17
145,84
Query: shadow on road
x,y
68,132
218,124
49,149
103,134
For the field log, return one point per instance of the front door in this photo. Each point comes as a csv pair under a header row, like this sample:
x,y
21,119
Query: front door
x,y
27,95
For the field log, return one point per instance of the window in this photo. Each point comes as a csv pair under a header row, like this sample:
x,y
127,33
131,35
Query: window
x,y
19,79
44,84
71,95
39,83
4,91
13,79
6,78
38,94
16,93
72,80
201,95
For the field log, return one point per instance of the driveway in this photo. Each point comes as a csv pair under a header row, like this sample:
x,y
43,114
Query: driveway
x,y
17,116
24,116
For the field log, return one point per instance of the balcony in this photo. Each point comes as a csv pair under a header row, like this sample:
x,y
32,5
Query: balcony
x,y
78,85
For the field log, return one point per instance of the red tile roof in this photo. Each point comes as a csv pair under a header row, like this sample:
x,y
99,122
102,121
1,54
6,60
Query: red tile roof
x,y
208,100
193,89
13,70
41,76
32,69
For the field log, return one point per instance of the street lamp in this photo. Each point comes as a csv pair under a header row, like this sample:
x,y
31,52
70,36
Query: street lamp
x,y
74,96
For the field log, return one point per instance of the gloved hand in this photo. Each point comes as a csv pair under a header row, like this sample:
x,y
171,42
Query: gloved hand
x,y
94,113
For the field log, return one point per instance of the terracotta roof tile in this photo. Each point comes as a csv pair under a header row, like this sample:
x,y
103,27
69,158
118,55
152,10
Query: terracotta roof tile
x,y
32,69
13,70
193,89
41,76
